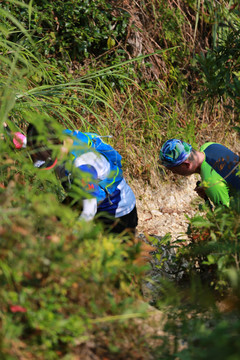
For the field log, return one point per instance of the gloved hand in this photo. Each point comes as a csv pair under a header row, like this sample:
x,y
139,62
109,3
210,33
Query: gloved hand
x,y
19,140
200,190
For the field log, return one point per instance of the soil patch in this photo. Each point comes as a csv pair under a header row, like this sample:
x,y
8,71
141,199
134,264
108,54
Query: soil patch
x,y
162,209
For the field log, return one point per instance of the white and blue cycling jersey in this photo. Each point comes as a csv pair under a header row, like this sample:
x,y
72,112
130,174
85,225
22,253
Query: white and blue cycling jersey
x,y
119,203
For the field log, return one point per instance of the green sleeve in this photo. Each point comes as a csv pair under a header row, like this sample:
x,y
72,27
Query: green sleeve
x,y
216,187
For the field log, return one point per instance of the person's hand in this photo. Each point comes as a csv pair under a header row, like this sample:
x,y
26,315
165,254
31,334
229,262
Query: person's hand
x,y
65,148
200,190
19,140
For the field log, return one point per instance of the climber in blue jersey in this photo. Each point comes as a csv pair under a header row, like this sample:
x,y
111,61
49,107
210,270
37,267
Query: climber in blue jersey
x,y
92,175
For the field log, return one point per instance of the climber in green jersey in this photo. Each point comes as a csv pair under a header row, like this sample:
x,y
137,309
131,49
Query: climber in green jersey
x,y
217,165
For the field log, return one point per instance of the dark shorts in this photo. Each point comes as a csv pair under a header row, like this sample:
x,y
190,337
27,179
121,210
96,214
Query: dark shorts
x,y
126,223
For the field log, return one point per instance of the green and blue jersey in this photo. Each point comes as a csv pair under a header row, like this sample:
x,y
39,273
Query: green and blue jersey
x,y
219,173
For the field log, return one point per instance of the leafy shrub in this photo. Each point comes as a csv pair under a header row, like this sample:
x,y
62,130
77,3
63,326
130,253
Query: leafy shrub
x,y
203,317
61,280
213,251
220,70
199,337
74,29
59,277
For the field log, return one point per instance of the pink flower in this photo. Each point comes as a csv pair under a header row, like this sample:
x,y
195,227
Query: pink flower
x,y
19,140
17,308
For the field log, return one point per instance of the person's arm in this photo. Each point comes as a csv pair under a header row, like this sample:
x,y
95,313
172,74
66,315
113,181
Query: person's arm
x,y
218,193
214,185
89,209
90,186
93,167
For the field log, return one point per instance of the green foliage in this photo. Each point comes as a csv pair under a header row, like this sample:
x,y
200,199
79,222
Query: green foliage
x,y
220,70
32,90
222,16
214,248
217,69
53,267
212,339
167,31
203,319
201,338
74,29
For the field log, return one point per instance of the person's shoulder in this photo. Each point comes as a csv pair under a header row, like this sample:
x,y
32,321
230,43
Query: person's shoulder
x,y
91,158
207,144
218,152
215,146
